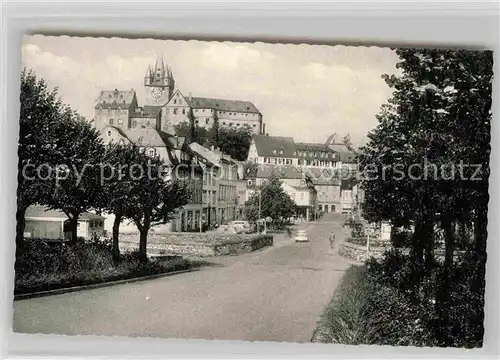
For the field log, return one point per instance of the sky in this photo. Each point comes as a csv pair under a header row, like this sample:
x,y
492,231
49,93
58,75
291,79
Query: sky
x,y
304,91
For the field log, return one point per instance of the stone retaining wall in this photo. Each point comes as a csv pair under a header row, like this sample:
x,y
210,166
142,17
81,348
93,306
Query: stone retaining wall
x,y
359,253
197,244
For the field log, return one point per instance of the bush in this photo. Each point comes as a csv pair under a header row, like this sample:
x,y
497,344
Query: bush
x,y
463,326
44,266
401,238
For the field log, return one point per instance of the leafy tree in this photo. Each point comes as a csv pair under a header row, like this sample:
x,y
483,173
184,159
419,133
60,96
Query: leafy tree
x,y
347,142
235,142
150,199
274,203
75,183
231,141
439,117
51,134
118,182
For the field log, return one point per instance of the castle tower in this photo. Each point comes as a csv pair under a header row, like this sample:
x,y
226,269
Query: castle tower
x,y
159,83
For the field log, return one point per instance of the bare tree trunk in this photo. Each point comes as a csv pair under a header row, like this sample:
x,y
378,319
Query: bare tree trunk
x,y
428,239
21,224
444,290
416,254
143,242
116,245
73,227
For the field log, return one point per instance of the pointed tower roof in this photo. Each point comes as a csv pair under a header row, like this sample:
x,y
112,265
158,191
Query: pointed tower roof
x,y
148,71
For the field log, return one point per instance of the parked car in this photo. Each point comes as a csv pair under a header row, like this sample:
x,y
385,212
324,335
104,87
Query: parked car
x,y
301,236
240,226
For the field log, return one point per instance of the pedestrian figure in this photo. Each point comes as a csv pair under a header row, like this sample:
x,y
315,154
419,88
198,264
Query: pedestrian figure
x,y
332,239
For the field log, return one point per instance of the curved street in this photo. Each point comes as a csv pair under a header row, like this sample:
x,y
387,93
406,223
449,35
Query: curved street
x,y
275,294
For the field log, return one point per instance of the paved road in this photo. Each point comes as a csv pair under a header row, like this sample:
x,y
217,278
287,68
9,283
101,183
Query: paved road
x,y
275,294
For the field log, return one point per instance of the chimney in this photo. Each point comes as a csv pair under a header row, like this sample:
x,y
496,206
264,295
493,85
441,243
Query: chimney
x,y
263,128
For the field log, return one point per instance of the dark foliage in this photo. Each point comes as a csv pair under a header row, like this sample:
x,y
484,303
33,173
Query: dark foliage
x,y
42,266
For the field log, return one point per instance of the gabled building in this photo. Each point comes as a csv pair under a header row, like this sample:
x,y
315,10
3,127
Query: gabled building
x,y
272,150
165,106
295,183
317,155
206,111
327,184
115,108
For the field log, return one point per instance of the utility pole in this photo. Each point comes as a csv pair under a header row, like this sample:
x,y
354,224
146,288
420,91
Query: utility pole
x,y
260,207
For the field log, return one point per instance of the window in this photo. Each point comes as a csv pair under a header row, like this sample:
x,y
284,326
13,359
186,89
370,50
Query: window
x,y
196,122
184,111
111,121
175,111
109,132
301,195
151,152
207,120
253,125
175,101
166,111
134,124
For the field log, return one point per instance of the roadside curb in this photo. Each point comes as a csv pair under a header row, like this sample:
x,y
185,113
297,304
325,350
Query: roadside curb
x,y
100,285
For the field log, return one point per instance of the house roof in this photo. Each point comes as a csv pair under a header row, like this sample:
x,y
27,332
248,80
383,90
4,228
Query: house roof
x,y
205,153
221,104
146,137
322,176
346,157
112,99
38,211
151,110
281,171
338,147
273,145
312,147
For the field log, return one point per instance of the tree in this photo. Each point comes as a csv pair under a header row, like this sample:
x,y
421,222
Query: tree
x,y
44,143
235,142
274,203
75,183
231,141
347,142
118,182
193,133
439,117
151,199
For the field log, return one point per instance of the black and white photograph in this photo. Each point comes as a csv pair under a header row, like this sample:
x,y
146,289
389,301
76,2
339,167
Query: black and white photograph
x,y
253,191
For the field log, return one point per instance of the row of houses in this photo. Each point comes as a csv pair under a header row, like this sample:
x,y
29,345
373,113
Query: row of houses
x,y
331,167
221,185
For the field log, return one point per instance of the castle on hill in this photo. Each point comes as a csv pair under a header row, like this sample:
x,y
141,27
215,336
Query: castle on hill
x,y
166,106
